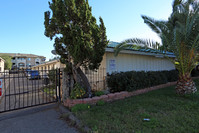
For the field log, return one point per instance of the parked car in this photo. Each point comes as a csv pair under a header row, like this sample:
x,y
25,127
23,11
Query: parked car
x,y
13,71
27,71
33,74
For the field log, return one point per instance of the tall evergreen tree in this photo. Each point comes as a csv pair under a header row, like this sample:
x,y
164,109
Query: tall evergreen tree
x,y
78,39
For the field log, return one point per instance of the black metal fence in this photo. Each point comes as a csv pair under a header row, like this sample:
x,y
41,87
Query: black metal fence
x,y
97,79
27,88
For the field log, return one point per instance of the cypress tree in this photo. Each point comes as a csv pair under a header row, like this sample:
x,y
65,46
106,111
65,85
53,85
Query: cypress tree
x,y
78,39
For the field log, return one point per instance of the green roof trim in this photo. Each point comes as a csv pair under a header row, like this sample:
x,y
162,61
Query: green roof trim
x,y
148,50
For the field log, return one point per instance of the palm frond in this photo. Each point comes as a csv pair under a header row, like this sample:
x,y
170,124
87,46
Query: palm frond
x,y
151,23
136,43
120,47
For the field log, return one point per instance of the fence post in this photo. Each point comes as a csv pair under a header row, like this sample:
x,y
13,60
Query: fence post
x,y
65,85
59,98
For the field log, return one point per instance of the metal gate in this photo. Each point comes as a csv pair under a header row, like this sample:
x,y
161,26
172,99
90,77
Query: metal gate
x,y
27,88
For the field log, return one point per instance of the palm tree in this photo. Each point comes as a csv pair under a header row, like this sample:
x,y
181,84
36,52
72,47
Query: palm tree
x,y
180,35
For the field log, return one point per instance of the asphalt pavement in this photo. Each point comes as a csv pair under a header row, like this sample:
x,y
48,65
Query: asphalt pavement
x,y
41,119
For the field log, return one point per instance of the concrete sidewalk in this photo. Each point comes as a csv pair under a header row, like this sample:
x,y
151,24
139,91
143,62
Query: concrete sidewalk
x,y
41,119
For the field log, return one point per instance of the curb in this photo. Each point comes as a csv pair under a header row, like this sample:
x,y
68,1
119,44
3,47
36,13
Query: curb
x,y
73,121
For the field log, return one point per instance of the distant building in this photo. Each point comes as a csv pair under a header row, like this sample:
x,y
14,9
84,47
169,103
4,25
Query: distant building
x,y
23,61
49,65
127,60
2,62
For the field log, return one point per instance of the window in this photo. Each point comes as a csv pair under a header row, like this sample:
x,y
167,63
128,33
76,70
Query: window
x,y
21,65
19,58
29,59
28,65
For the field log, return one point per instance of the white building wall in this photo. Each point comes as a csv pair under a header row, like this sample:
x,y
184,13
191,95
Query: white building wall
x,y
2,65
132,62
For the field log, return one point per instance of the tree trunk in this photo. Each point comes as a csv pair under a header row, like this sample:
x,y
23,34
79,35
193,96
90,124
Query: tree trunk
x,y
85,81
81,78
185,85
65,86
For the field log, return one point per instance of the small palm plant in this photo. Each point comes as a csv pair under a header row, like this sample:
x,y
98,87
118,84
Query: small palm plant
x,y
180,35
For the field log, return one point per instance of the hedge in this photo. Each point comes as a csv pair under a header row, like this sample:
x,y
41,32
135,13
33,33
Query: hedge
x,y
132,80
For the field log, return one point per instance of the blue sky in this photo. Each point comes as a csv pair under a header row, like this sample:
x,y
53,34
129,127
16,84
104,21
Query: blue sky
x,y
22,28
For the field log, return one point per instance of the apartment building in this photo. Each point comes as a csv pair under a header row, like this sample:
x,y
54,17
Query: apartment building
x,y
23,61
49,65
2,62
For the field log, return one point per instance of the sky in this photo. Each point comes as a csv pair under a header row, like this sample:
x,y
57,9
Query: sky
x,y
22,22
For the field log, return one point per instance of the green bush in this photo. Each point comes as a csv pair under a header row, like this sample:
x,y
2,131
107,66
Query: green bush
x,y
132,80
80,107
194,73
98,93
171,75
77,92
52,76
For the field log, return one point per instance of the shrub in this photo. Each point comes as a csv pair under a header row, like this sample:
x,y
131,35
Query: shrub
x,y
132,80
98,93
77,92
171,75
52,76
80,107
194,72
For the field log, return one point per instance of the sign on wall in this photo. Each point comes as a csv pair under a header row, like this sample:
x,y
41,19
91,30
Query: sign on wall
x,y
112,64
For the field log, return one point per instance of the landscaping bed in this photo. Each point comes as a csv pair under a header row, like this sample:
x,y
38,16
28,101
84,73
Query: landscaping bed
x,y
154,112
112,96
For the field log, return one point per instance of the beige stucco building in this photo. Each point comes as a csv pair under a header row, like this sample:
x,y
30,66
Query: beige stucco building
x,y
49,65
2,64
23,61
127,60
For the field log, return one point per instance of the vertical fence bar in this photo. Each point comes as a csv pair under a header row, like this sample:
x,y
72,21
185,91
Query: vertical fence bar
x,y
104,79
14,92
46,86
93,79
32,90
68,77
45,82
23,87
19,87
9,90
35,88
48,91
56,85
38,89
5,90
59,85
27,85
